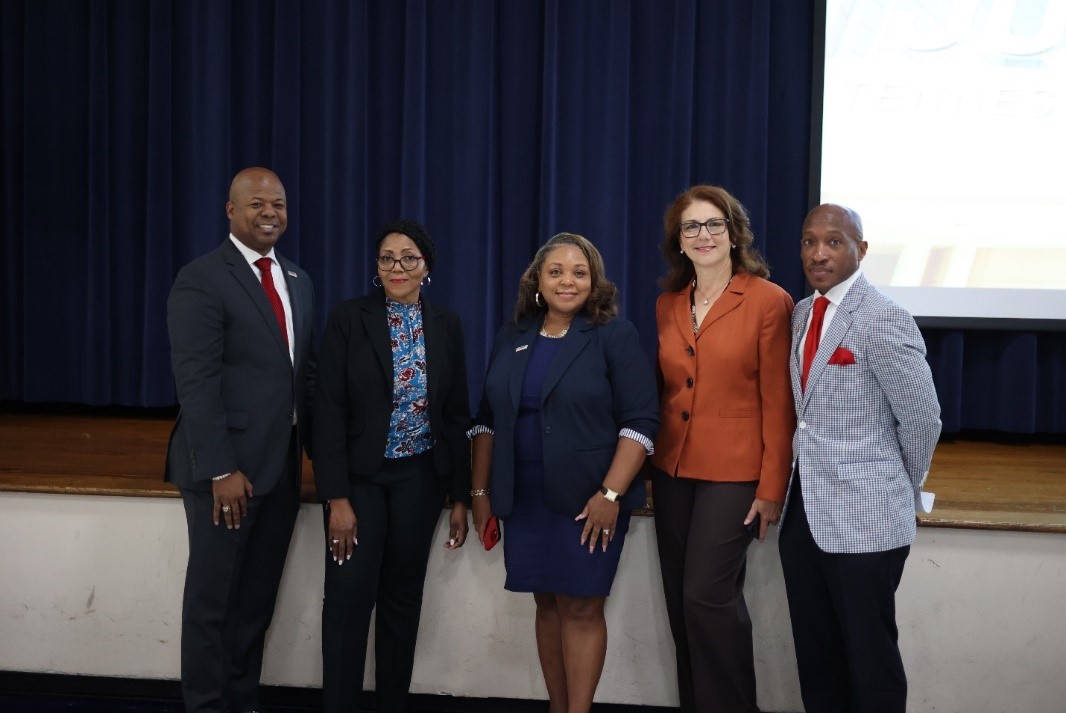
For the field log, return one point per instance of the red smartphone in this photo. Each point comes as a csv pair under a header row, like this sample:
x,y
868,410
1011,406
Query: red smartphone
x,y
492,533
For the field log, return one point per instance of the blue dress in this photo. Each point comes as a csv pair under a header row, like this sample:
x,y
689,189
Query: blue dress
x,y
542,548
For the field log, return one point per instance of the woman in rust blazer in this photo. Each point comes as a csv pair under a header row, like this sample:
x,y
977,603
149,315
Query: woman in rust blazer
x,y
724,447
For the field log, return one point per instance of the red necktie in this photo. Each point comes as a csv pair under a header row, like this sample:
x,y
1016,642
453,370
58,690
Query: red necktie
x,y
814,334
264,264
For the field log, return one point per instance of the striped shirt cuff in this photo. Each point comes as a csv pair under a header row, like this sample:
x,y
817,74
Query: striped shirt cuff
x,y
478,430
639,438
629,433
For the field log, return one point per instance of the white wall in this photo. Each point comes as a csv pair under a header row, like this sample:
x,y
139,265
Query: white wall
x,y
92,585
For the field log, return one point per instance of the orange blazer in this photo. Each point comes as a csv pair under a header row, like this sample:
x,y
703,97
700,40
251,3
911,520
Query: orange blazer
x,y
725,404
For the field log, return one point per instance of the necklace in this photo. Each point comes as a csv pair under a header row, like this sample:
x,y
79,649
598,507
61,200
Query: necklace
x,y
560,335
716,293
706,301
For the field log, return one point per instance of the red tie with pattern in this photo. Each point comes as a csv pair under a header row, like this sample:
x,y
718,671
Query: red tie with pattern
x,y
814,335
264,264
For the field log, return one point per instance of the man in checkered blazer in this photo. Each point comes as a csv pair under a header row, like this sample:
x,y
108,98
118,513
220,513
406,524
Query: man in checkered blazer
x,y
867,422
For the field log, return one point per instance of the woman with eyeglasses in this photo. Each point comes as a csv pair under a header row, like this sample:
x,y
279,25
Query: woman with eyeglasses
x,y
567,418
724,448
390,420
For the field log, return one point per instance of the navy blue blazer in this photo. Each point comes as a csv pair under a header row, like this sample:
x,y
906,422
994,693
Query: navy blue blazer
x,y
599,383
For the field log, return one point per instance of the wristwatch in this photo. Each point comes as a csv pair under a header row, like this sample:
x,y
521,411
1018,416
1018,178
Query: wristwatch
x,y
609,494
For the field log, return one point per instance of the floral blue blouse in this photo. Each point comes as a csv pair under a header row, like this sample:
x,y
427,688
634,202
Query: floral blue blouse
x,y
409,432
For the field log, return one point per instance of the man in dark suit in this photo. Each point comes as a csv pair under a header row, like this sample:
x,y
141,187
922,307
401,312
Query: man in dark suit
x,y
867,422
242,344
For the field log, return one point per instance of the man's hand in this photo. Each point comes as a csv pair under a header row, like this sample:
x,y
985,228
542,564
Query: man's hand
x,y
231,499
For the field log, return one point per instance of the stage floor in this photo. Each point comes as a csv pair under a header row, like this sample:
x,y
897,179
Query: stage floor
x,y
978,484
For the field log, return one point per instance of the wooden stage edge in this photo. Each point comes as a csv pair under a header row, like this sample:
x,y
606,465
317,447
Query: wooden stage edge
x,y
978,485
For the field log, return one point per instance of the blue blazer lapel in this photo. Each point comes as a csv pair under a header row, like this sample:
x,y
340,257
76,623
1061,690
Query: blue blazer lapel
x,y
243,273
575,341
522,345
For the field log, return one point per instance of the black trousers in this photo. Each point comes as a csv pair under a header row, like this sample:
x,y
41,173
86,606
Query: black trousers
x,y
703,547
397,511
843,613
231,585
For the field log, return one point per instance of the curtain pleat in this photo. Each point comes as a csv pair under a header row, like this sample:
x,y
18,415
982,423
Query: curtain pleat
x,y
497,124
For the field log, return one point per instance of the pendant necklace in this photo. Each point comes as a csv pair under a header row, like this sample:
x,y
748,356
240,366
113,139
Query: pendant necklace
x,y
706,301
716,293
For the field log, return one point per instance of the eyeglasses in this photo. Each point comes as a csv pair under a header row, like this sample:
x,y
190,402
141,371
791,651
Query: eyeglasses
x,y
715,226
407,262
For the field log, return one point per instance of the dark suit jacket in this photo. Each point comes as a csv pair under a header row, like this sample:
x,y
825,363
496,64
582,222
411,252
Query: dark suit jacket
x,y
354,399
599,383
236,386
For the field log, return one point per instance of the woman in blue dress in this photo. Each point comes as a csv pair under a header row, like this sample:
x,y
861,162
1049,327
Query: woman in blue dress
x,y
568,415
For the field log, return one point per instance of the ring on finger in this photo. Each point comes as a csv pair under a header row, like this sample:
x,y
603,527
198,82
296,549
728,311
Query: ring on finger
x,y
336,542
606,531
226,508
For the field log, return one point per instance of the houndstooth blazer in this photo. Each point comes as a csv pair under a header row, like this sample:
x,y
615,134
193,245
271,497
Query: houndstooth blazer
x,y
865,431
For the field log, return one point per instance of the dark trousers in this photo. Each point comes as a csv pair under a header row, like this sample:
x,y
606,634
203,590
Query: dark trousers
x,y
843,613
397,511
231,585
703,547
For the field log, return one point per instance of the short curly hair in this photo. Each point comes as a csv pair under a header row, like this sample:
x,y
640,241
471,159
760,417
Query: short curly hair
x,y
744,257
602,303
418,235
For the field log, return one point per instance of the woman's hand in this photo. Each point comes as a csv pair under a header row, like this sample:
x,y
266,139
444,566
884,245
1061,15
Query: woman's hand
x,y
342,530
482,512
600,516
459,527
768,511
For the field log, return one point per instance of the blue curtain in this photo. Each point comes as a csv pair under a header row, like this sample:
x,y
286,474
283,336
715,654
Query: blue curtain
x,y
1008,381
496,124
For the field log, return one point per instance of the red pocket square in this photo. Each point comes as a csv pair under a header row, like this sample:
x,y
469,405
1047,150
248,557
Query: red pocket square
x,y
842,357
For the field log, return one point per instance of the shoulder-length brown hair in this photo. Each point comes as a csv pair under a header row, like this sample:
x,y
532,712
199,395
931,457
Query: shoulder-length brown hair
x,y
601,304
743,256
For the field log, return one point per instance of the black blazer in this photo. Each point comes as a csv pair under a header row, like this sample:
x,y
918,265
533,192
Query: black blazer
x,y
235,383
353,403
599,383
